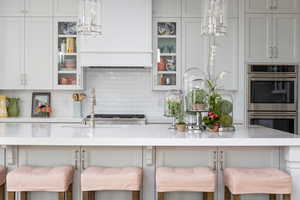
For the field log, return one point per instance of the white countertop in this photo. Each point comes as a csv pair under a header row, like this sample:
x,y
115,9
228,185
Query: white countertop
x,y
136,135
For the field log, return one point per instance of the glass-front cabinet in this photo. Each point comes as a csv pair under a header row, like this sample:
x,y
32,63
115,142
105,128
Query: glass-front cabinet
x,y
166,69
67,71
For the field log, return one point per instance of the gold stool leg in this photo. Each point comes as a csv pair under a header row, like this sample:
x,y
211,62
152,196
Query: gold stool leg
x,y
236,197
136,195
204,195
11,195
70,192
227,193
272,196
287,197
2,192
62,196
209,196
24,196
88,195
161,196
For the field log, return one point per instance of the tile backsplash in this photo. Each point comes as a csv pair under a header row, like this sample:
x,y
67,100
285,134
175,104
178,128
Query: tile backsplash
x,y
118,91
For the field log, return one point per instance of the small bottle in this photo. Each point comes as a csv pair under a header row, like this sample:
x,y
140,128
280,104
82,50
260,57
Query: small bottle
x,y
63,47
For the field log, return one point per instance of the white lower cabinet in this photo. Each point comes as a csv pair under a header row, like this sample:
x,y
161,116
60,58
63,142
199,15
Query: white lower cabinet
x,y
12,52
38,52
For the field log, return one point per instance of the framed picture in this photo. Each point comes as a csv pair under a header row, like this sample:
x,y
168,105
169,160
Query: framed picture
x,y
41,104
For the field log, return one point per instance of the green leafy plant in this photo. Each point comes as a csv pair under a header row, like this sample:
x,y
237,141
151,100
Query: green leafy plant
x,y
199,96
174,107
226,121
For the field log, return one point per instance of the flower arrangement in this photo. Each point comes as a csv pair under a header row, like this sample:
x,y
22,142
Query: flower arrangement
x,y
219,109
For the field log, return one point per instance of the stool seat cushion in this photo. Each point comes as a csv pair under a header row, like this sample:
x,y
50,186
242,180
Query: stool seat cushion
x,y
197,179
44,179
2,175
257,181
111,178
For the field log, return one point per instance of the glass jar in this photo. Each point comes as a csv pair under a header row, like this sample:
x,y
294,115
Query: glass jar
x,y
173,106
195,90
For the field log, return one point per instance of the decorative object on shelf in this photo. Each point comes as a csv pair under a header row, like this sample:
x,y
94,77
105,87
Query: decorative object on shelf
x,y
41,104
161,66
166,28
173,106
71,45
89,21
77,104
67,28
13,107
3,107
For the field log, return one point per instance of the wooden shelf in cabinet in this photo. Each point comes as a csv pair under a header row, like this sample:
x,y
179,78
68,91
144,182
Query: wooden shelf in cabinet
x,y
166,72
68,72
66,36
166,36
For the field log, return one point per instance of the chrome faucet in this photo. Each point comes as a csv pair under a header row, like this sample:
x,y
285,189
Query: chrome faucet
x,y
93,102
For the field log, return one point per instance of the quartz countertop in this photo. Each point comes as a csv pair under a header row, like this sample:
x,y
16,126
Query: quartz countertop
x,y
49,134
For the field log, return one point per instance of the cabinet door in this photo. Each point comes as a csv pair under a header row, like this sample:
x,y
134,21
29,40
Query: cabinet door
x,y
286,37
194,51
258,38
287,6
166,8
11,7
11,52
38,52
259,6
227,57
65,7
39,7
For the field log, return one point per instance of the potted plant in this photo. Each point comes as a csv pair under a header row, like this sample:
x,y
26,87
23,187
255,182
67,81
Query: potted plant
x,y
180,125
199,99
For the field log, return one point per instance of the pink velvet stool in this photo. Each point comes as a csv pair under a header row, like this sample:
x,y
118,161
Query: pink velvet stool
x,y
111,178
197,179
2,183
40,179
239,181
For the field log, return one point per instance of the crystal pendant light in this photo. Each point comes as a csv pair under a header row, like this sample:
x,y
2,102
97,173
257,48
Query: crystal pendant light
x,y
214,18
89,21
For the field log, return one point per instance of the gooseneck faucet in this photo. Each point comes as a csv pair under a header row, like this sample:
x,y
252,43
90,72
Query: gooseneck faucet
x,y
93,102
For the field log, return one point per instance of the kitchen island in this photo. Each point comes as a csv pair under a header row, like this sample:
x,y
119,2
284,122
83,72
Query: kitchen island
x,y
148,146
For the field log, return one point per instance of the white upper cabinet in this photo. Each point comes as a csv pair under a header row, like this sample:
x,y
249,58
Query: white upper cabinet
x,y
286,38
39,7
258,38
12,53
38,52
227,57
193,45
65,8
12,7
272,38
272,6
195,8
167,8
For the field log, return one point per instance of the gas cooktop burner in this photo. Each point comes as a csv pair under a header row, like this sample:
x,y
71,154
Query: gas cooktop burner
x,y
121,116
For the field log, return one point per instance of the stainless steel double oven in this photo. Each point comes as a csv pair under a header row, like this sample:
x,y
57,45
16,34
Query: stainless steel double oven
x,y
272,96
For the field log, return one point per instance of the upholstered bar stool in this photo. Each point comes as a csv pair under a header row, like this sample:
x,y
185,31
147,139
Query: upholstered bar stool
x,y
197,179
239,181
40,179
2,183
111,179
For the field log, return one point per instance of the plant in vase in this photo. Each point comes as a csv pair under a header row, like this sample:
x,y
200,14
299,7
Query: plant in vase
x,y
180,125
219,109
174,107
199,99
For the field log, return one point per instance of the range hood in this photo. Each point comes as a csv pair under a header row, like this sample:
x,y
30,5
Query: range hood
x,y
126,39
